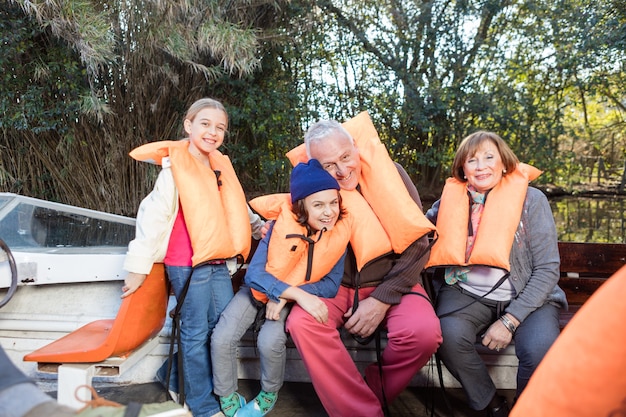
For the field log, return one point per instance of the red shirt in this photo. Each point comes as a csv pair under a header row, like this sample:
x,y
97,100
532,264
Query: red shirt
x,y
179,250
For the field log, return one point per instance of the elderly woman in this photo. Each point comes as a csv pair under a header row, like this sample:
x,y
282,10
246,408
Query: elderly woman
x,y
498,245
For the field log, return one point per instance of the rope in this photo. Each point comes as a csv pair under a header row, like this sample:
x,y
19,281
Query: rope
x,y
96,401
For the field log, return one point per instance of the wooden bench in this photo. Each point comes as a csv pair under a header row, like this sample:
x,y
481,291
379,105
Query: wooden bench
x,y
584,267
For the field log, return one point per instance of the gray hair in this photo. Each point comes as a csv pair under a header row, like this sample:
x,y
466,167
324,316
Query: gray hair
x,y
320,130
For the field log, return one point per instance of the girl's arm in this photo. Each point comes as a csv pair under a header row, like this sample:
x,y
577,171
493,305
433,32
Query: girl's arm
x,y
256,223
328,286
310,303
258,278
153,225
308,296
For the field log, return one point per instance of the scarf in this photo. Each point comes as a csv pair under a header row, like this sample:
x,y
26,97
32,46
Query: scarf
x,y
459,273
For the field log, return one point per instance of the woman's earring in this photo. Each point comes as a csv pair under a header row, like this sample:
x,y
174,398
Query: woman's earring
x,y
504,171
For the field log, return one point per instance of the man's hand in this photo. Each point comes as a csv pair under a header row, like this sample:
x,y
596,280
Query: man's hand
x,y
132,283
367,317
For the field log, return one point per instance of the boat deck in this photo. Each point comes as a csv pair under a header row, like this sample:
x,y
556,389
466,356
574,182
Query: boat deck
x,y
299,399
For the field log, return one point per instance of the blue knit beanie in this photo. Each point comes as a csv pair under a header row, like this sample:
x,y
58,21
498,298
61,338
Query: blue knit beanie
x,y
309,178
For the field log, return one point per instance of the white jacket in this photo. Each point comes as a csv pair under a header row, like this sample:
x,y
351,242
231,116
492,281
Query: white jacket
x,y
155,220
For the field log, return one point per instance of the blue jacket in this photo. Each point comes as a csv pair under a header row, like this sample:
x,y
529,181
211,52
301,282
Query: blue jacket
x,y
258,278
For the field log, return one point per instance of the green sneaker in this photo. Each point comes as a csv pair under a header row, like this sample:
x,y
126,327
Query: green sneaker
x,y
232,403
260,406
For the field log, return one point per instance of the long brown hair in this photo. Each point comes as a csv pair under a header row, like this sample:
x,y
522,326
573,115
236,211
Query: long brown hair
x,y
302,214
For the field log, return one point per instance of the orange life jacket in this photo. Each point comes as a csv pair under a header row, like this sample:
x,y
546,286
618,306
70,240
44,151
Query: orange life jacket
x,y
584,372
499,221
287,255
216,216
387,219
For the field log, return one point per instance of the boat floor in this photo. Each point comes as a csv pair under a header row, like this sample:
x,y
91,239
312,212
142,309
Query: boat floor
x,y
299,399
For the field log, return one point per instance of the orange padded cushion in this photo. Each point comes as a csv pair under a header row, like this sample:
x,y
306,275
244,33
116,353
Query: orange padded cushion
x,y
140,317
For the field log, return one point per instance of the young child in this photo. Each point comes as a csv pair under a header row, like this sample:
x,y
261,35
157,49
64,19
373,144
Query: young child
x,y
299,260
195,218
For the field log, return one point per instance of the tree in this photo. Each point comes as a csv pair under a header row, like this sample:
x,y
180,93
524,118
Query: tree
x,y
40,97
431,72
419,59
142,64
86,81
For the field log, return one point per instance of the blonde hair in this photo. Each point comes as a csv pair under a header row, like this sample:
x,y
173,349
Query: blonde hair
x,y
470,145
204,103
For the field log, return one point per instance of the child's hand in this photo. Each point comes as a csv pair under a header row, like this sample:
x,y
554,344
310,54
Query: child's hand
x,y
132,283
313,305
273,309
265,228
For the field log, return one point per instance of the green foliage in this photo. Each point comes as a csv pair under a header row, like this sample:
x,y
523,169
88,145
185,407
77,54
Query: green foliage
x,y
42,83
266,112
86,81
590,219
128,72
432,72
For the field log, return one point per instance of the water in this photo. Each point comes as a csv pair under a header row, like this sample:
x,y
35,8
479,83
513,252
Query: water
x,y
590,219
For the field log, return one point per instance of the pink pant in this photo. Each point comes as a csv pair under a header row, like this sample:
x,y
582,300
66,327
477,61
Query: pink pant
x,y
413,334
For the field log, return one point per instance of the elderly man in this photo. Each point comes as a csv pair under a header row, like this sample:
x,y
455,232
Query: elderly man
x,y
381,286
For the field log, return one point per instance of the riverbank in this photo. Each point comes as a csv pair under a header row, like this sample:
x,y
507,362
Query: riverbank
x,y
590,190
584,190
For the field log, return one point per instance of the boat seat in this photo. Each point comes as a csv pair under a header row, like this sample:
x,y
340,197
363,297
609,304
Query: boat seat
x,y
140,318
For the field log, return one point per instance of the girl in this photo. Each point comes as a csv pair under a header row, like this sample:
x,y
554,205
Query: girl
x,y
300,259
195,218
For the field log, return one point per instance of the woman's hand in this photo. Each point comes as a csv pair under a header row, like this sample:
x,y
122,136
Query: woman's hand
x,y
273,309
498,336
132,283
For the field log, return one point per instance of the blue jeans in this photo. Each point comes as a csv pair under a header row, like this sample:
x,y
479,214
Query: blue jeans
x,y
462,330
209,292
